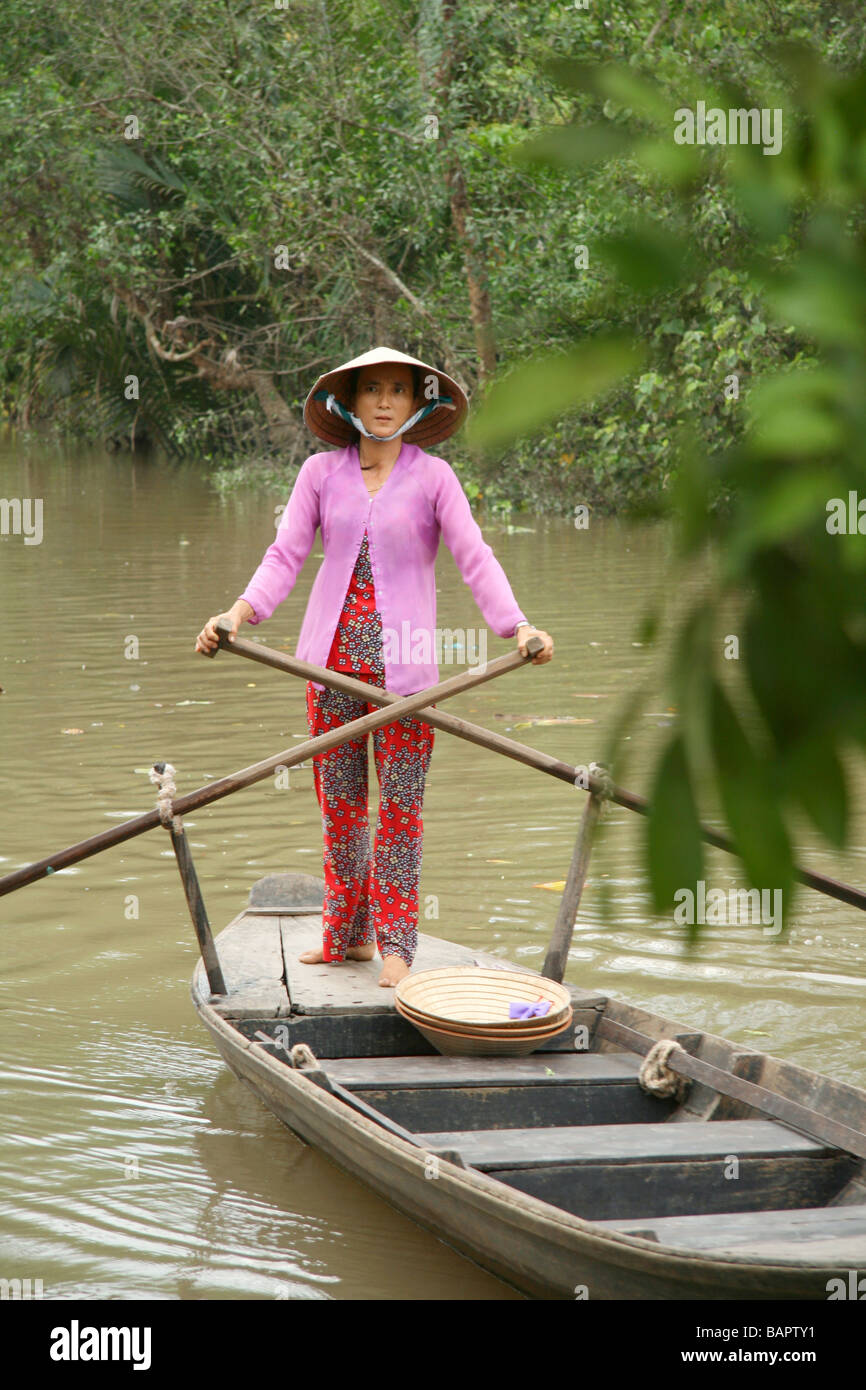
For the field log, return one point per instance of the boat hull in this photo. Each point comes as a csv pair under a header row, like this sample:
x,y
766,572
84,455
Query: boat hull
x,y
531,1245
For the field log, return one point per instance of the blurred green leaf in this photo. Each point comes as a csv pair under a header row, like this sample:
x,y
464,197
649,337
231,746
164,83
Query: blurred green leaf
x,y
750,803
778,513
768,208
824,298
674,843
691,673
678,165
788,660
614,82
574,147
799,429
690,494
648,625
816,778
649,258
545,387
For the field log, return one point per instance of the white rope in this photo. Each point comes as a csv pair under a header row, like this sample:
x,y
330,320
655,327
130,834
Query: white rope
x,y
301,1055
598,771
656,1077
162,775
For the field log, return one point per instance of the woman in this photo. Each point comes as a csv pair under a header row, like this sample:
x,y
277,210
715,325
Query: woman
x,y
372,613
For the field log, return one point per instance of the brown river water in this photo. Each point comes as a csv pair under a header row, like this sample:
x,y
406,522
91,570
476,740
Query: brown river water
x,y
133,1164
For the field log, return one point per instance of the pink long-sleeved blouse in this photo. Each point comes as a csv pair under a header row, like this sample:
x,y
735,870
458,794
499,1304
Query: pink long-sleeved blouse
x,y
421,500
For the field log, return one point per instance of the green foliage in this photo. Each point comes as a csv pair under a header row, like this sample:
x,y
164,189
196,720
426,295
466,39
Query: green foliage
x,y
307,128
539,390
673,863
754,473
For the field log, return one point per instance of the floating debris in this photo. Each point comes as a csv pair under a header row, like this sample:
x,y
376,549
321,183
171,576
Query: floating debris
x,y
541,723
571,719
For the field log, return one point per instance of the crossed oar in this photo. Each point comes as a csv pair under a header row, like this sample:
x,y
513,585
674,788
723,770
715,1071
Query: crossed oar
x,y
396,707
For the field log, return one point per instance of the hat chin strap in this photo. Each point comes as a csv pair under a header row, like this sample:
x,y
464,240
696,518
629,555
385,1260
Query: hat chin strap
x,y
335,408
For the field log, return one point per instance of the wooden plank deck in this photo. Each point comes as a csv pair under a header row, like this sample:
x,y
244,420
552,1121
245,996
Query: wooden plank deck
x,y
251,955
354,986
259,953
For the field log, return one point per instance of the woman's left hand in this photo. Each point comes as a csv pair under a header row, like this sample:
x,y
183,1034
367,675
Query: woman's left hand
x,y
524,632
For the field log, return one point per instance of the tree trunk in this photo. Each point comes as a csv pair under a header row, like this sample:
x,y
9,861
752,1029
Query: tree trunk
x,y
461,209
476,272
283,428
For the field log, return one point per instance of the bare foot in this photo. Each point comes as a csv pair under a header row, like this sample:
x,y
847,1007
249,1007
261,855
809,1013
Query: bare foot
x,y
316,957
394,969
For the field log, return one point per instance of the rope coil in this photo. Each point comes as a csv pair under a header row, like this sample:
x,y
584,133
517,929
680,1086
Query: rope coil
x,y
303,1056
598,772
162,775
656,1077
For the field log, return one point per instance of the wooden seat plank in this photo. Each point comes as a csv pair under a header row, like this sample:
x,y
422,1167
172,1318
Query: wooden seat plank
x,y
423,1093
623,1144
730,1230
587,1068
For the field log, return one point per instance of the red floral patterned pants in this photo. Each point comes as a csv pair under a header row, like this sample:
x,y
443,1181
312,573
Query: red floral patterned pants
x,y
368,895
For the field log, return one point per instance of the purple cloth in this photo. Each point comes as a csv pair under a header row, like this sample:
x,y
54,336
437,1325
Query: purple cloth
x,y
421,501
529,1010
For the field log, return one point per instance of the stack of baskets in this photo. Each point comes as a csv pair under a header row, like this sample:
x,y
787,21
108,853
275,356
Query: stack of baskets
x,y
464,1010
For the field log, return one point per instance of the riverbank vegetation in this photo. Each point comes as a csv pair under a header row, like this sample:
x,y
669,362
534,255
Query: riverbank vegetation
x,y
205,206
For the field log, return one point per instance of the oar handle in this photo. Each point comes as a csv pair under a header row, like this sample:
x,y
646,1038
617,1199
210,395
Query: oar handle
x,y
224,629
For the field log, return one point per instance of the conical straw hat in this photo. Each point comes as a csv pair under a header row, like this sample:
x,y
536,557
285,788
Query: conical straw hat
x,y
444,402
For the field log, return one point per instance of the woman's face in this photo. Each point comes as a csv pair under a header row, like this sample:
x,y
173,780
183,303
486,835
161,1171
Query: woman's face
x,y
385,397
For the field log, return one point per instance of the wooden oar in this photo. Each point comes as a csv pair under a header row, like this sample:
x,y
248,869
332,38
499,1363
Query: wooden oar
x,y
203,796
560,942
376,695
509,748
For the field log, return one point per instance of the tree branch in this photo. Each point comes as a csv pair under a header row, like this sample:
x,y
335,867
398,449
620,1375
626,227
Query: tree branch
x,y
417,304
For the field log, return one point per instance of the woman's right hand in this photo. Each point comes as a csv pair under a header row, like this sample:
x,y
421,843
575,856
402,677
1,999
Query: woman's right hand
x,y
208,639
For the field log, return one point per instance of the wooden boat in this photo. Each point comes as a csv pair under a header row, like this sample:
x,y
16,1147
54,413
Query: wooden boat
x,y
556,1172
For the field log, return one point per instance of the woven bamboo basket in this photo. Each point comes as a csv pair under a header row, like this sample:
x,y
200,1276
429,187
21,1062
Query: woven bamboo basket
x,y
514,1028
487,1044
480,998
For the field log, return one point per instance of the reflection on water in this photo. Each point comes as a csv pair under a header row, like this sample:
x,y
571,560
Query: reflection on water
x,y
133,1164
